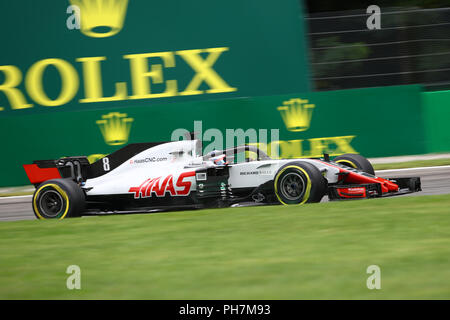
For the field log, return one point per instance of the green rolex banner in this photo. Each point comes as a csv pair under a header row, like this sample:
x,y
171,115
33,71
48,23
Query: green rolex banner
x,y
87,54
86,77
374,122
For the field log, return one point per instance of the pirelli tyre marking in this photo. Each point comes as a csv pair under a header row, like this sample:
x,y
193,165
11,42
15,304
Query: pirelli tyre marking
x,y
51,199
306,191
348,163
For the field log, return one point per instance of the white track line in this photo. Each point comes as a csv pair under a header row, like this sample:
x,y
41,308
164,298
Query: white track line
x,y
412,169
15,197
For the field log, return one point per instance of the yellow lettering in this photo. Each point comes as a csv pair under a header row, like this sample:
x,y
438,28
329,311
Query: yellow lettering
x,y
343,144
69,79
93,89
261,146
204,71
140,75
319,146
285,149
13,77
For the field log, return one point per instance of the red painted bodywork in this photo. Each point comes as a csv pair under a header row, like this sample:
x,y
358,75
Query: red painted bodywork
x,y
352,192
386,185
37,175
153,185
356,178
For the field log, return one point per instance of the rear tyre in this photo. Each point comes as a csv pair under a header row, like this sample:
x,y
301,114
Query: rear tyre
x,y
355,161
58,199
298,183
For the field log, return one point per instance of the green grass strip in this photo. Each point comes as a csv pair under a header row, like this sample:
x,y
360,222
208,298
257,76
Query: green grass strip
x,y
314,251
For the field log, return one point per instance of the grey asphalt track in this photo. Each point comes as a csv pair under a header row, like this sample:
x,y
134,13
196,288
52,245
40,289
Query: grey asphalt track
x,y
435,180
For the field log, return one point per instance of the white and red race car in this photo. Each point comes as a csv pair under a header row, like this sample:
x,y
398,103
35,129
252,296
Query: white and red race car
x,y
147,177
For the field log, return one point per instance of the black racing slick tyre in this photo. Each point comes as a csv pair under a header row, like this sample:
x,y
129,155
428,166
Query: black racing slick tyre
x,y
58,199
298,183
355,161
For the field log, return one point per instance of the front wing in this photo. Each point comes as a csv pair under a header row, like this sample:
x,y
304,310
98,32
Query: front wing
x,y
373,190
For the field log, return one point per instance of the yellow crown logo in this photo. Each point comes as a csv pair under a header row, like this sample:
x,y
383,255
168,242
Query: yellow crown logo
x,y
296,114
101,18
115,128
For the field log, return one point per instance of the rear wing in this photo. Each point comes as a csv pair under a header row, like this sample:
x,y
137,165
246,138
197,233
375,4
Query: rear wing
x,y
78,168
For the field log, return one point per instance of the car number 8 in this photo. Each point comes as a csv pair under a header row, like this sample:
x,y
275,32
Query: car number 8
x,y
106,166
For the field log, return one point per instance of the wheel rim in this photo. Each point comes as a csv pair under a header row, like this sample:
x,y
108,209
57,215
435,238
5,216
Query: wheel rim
x,y
347,163
51,203
292,186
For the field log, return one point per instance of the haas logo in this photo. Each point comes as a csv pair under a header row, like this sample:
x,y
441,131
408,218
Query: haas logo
x,y
160,186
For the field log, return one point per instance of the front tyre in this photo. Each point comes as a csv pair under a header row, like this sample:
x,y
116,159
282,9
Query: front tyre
x,y
298,183
356,161
58,199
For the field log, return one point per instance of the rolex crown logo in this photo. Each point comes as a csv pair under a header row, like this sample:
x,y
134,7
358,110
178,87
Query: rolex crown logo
x,y
296,114
115,128
101,18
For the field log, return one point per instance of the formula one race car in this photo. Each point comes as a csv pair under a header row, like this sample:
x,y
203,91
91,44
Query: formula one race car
x,y
146,177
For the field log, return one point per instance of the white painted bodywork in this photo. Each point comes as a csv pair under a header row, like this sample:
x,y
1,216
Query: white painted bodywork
x,y
255,173
176,158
